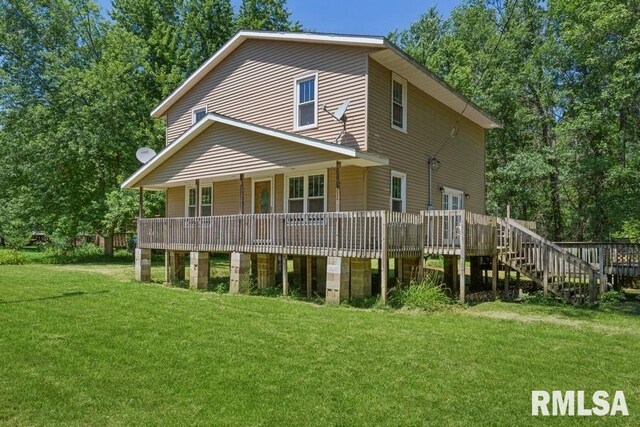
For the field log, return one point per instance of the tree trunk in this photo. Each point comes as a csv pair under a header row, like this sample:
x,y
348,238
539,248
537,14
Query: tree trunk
x,y
108,245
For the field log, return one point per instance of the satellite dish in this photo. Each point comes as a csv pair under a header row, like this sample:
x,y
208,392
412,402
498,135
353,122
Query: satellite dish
x,y
145,154
339,114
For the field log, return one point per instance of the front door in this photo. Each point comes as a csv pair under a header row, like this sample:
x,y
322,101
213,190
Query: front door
x,y
262,196
262,191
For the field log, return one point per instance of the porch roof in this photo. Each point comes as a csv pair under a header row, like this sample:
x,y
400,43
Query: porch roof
x,y
347,155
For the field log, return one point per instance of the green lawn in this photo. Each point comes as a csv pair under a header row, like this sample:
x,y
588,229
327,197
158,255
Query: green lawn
x,y
83,344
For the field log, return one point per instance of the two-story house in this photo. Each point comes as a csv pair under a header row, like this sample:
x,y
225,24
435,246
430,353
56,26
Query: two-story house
x,y
256,163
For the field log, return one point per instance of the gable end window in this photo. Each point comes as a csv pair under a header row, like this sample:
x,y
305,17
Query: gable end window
x,y
305,114
398,103
398,192
198,114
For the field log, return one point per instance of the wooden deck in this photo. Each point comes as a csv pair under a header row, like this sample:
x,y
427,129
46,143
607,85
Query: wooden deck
x,y
362,234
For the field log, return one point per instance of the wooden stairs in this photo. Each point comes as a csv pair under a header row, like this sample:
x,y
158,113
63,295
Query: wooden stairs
x,y
555,270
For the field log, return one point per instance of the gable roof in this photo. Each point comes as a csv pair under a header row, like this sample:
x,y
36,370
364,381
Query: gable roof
x,y
386,53
209,119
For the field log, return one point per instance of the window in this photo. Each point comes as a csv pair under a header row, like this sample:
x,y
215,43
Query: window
x,y
206,201
398,191
452,199
198,114
191,202
306,94
296,194
306,193
398,103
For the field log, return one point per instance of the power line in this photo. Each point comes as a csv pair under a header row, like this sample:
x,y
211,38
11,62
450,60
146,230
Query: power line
x,y
505,27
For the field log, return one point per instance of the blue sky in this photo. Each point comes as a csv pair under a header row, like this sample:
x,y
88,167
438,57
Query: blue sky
x,y
371,17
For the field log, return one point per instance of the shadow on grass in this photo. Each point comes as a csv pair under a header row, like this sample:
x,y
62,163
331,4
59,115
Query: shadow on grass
x,y
53,297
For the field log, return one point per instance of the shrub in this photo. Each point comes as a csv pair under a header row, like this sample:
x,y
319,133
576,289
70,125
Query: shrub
x,y
539,298
611,298
427,294
72,255
12,257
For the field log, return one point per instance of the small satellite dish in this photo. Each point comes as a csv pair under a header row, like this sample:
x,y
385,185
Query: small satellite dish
x,y
145,154
339,114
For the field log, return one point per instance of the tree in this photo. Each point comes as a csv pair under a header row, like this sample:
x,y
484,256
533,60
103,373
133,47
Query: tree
x,y
562,77
271,15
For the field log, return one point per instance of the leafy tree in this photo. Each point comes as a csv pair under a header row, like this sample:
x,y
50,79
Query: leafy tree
x,y
271,15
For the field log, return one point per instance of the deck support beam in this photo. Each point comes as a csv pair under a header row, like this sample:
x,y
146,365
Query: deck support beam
x,y
321,275
173,266
494,275
338,272
360,277
199,270
309,278
143,265
285,275
265,270
240,273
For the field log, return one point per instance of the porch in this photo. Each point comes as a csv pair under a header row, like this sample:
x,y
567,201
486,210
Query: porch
x,y
341,239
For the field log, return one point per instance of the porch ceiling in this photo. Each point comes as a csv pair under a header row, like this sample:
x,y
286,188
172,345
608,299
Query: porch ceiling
x,y
233,147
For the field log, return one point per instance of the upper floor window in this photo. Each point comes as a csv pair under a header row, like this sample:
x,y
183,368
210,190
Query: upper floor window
x,y
206,201
306,193
306,97
398,192
398,103
198,114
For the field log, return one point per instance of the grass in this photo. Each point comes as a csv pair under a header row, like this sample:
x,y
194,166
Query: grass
x,y
83,344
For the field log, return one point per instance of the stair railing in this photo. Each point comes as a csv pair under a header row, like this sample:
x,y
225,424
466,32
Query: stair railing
x,y
546,263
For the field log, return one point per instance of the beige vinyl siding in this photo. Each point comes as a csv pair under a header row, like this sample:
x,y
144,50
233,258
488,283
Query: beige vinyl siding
x,y
226,196
256,84
428,124
175,202
223,150
278,183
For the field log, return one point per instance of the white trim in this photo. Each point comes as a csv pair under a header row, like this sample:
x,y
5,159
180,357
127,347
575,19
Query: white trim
x,y
187,190
211,118
403,177
304,77
196,110
452,192
305,175
403,83
271,179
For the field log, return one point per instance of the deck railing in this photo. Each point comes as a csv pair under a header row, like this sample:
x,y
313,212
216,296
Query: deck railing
x,y
610,258
545,261
360,234
351,234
